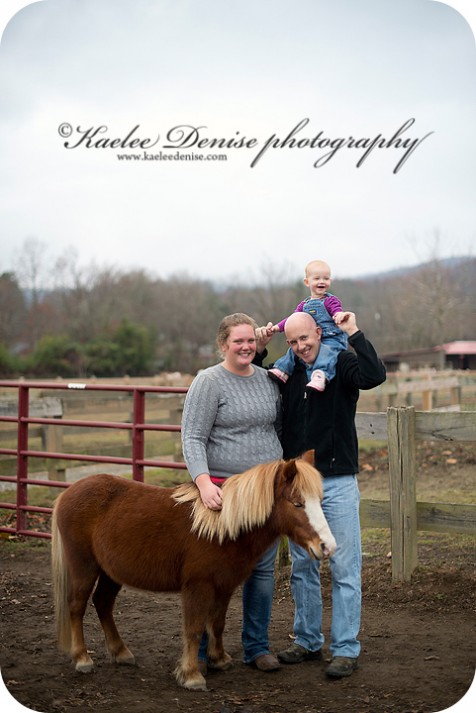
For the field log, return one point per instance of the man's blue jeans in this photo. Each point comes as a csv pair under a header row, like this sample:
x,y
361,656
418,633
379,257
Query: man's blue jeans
x,y
341,508
257,598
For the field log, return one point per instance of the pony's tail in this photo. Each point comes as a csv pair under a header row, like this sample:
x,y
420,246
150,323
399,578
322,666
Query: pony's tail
x,y
61,585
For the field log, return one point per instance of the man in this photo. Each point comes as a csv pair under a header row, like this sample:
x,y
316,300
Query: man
x,y
324,421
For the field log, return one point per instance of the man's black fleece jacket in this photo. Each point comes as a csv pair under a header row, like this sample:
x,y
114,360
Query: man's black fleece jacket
x,y
325,421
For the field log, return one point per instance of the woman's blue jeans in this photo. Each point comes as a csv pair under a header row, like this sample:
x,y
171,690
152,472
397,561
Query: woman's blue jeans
x,y
341,508
258,593
257,600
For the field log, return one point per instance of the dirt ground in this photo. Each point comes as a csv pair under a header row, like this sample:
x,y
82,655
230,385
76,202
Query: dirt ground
x,y
418,642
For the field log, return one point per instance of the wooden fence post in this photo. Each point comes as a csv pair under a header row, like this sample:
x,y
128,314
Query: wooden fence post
x,y
402,476
427,400
52,439
455,395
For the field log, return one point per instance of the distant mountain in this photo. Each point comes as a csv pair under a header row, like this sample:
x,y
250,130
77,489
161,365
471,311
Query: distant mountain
x,y
449,262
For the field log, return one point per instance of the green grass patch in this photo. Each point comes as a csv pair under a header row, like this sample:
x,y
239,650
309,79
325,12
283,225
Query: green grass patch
x,y
375,541
12,546
367,445
166,477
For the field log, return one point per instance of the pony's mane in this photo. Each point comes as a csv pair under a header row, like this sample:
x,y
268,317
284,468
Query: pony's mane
x,y
248,499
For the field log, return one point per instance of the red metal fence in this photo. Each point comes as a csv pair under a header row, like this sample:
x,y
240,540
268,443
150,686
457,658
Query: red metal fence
x,y
136,426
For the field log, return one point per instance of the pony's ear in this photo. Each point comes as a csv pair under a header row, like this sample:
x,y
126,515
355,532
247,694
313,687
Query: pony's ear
x,y
289,470
308,456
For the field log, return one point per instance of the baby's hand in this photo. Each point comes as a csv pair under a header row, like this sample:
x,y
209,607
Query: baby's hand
x,y
263,336
274,329
338,317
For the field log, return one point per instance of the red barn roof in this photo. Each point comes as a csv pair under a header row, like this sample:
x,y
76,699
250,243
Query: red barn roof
x,y
458,348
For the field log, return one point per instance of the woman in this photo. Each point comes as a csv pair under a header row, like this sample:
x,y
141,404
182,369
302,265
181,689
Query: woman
x,y
230,423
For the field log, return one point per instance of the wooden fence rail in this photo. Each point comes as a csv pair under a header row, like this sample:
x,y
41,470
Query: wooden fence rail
x,y
420,387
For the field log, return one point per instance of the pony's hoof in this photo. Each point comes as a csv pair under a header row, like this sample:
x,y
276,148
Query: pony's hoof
x,y
125,658
131,661
222,664
195,682
84,666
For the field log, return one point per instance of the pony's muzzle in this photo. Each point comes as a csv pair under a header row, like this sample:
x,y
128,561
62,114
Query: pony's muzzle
x,y
316,551
328,547
322,550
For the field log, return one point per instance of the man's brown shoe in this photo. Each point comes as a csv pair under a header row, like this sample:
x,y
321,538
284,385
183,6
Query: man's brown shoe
x,y
267,662
341,666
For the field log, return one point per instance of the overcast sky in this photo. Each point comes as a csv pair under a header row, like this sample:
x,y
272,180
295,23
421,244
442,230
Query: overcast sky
x,y
395,75
256,69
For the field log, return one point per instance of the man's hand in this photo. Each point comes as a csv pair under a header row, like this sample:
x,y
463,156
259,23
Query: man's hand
x,y
263,337
347,322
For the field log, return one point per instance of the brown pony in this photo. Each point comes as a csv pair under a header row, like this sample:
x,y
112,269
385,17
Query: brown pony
x,y
108,531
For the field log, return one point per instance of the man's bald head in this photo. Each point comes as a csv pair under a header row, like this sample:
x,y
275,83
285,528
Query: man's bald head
x,y
303,336
299,320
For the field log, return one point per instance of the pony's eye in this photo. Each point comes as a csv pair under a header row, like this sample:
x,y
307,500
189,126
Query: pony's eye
x,y
297,504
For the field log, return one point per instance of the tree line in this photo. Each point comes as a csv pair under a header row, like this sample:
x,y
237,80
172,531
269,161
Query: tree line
x,y
108,322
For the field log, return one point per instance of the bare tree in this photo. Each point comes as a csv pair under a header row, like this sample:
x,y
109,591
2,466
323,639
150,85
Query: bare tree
x,y
12,310
31,274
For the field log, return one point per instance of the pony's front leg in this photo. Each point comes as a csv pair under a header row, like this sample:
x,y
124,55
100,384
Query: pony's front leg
x,y
217,656
194,610
187,672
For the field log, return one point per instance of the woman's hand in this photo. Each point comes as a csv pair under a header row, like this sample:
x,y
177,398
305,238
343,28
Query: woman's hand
x,y
210,493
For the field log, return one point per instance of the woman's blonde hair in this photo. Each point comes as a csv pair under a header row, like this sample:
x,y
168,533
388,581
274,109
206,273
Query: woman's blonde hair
x,y
226,325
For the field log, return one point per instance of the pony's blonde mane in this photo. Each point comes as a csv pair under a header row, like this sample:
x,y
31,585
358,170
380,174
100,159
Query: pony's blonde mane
x,y
248,499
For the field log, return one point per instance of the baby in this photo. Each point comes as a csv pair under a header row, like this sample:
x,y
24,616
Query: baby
x,y
326,309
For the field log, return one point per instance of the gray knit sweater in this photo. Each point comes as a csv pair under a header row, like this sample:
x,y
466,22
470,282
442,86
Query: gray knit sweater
x,y
230,423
